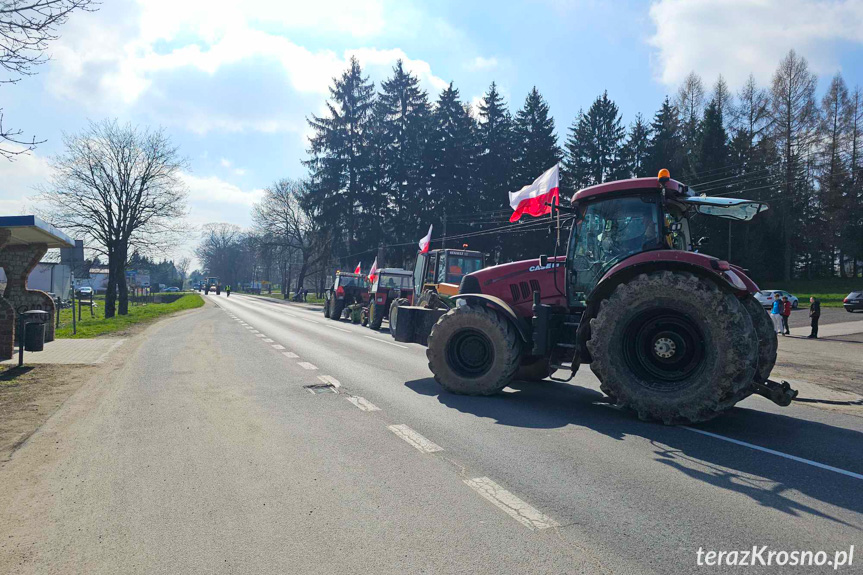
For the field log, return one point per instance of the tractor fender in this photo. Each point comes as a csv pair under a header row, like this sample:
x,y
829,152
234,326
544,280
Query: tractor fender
x,y
499,305
697,264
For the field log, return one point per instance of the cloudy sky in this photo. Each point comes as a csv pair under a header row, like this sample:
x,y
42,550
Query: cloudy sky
x,y
233,81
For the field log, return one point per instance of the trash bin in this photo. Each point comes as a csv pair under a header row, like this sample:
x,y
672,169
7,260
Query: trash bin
x,y
34,336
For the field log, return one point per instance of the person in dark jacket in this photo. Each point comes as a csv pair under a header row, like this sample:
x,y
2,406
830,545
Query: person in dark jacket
x,y
814,314
786,313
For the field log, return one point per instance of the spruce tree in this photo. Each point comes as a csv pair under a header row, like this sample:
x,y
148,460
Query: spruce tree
x,y
536,142
605,143
403,113
637,147
339,154
453,154
575,173
665,149
712,158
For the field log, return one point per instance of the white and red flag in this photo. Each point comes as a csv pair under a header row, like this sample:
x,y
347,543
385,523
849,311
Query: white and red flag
x,y
425,242
373,273
359,269
532,199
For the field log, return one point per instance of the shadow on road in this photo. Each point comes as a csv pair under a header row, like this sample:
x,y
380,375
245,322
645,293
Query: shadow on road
x,y
762,477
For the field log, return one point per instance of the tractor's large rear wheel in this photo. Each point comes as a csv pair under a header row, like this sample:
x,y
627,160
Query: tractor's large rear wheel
x,y
767,342
673,347
336,309
376,316
327,308
472,350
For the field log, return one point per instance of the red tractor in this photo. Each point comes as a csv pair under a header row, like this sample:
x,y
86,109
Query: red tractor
x,y
671,333
349,291
390,285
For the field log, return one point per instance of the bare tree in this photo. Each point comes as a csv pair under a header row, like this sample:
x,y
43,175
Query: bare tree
x,y
120,188
283,215
183,266
795,117
223,251
752,112
26,29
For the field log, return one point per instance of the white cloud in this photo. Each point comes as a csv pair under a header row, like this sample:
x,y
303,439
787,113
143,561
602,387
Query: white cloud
x,y
158,47
20,179
225,163
481,63
738,37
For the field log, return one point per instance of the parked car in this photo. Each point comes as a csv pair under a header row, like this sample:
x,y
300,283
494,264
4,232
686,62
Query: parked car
x,y
853,302
85,291
172,289
765,298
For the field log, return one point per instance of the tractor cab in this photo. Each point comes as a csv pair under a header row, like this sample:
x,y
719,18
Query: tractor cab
x,y
395,282
614,224
442,270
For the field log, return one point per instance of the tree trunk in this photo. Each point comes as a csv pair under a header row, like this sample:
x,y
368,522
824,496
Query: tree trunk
x,y
122,288
111,288
301,277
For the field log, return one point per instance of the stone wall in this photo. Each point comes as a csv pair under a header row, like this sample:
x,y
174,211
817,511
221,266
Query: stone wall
x,y
18,261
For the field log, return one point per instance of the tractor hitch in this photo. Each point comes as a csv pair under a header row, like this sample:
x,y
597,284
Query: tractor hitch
x,y
779,393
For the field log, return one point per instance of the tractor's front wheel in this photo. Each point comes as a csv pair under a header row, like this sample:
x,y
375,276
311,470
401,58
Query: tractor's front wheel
x,y
473,350
394,312
673,347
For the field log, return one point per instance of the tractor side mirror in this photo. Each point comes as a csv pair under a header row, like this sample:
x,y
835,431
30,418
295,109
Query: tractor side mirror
x,y
543,260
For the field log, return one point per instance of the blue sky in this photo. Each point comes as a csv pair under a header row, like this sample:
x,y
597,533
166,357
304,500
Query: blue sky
x,y
232,82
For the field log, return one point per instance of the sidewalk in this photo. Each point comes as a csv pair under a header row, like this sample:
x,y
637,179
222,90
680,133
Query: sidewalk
x,y
70,352
831,329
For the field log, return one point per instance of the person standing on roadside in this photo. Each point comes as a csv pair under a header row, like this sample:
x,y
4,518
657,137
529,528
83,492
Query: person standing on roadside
x,y
814,315
786,313
228,290
776,313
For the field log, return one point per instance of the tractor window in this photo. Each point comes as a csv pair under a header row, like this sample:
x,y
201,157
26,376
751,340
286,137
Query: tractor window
x,y
460,266
441,268
430,274
609,231
418,271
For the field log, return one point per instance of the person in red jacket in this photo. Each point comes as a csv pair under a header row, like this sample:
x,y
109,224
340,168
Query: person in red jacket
x,y
786,313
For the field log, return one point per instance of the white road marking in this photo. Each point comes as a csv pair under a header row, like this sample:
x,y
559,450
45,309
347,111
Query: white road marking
x,y
415,439
278,346
268,340
290,354
778,453
307,365
260,335
363,403
386,342
330,380
340,329
309,320
525,514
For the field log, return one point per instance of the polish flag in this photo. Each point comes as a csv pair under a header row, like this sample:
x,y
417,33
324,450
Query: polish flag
x,y
359,268
531,199
373,273
425,242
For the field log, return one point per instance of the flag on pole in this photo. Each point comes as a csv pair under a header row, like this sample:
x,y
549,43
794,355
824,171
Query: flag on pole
x,y
424,243
373,273
532,199
359,269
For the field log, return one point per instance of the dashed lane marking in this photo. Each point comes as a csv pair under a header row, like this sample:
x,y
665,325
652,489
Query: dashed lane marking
x,y
278,346
330,380
415,439
307,365
778,453
525,514
363,403
386,342
309,320
260,335
290,354
340,329
267,340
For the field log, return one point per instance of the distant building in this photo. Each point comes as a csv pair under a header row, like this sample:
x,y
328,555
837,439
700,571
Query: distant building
x,y
50,277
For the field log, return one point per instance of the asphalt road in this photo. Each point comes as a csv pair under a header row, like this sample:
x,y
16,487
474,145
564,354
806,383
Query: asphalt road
x,y
206,453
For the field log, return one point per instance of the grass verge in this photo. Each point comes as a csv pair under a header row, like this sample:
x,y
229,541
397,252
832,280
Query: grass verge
x,y
98,325
830,292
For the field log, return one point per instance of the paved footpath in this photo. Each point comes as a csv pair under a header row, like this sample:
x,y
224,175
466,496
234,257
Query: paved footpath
x,y
256,437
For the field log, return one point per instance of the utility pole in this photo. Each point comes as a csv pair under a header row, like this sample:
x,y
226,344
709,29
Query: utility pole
x,y
443,245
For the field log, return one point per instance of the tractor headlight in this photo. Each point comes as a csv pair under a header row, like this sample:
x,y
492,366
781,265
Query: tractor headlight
x,y
734,279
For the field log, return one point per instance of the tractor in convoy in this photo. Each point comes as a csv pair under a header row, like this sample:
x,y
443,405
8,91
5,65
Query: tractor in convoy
x,y
212,283
673,334
389,285
436,278
348,291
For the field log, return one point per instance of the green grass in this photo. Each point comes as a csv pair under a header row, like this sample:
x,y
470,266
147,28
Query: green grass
x,y
278,295
830,292
95,326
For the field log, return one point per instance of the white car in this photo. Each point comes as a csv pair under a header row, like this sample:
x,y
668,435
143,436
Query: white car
x,y
85,290
765,298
